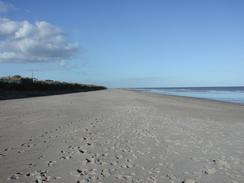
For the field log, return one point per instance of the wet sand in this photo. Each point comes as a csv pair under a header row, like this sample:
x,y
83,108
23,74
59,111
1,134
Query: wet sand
x,y
121,136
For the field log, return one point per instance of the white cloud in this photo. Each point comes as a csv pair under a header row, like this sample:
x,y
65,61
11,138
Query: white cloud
x,y
4,7
22,41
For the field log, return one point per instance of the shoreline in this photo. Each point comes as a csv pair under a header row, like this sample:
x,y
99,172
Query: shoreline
x,y
31,94
188,97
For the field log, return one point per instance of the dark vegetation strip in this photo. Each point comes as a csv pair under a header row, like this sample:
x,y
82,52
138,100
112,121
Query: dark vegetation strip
x,y
22,90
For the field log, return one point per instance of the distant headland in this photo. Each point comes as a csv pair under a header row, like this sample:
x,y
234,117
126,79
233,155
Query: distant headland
x,y
16,86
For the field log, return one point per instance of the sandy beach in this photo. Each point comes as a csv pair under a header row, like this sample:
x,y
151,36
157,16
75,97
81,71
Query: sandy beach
x,y
117,136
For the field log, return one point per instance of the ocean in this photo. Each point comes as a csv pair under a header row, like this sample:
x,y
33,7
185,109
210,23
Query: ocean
x,y
226,94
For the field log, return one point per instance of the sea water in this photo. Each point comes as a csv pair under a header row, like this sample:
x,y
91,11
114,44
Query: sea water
x,y
226,94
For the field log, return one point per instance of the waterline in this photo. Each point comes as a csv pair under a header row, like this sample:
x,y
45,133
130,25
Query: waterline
x,y
226,94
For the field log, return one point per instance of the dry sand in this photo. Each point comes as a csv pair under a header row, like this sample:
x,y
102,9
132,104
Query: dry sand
x,y
115,136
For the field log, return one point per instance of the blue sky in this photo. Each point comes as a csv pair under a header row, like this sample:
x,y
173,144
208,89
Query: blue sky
x,y
129,43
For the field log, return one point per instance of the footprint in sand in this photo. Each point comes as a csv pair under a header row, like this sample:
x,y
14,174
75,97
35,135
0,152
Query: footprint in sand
x,y
114,163
26,145
221,164
189,181
65,157
20,152
2,155
15,176
30,165
81,151
41,176
41,157
28,174
93,125
90,160
89,144
128,165
125,177
87,175
50,163
105,172
119,156
210,171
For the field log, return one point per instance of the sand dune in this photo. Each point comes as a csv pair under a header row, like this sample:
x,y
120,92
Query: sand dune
x,y
121,136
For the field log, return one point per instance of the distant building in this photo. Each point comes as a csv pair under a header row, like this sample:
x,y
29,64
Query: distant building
x,y
16,79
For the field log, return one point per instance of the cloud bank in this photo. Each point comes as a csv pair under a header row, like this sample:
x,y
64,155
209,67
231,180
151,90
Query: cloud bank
x,y
22,41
